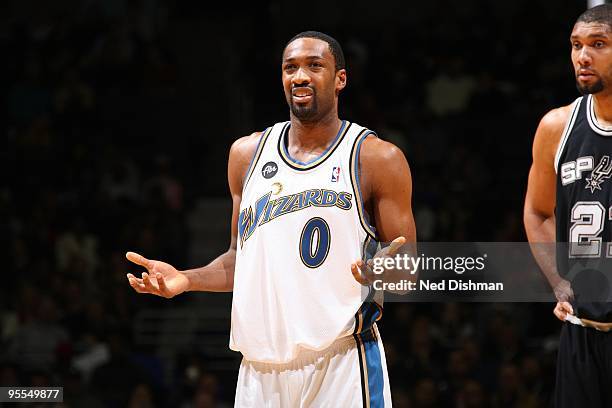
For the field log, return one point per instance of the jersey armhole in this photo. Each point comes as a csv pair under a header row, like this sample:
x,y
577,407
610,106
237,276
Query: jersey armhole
x,y
354,169
566,132
255,158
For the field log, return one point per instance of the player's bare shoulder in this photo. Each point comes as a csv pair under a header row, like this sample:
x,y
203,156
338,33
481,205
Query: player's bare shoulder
x,y
244,148
378,154
382,164
240,156
550,130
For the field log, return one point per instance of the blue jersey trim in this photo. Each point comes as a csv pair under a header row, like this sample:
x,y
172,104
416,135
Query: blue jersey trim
x,y
371,371
354,168
298,165
375,372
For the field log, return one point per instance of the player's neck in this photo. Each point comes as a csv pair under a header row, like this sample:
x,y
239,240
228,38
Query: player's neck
x,y
313,135
603,108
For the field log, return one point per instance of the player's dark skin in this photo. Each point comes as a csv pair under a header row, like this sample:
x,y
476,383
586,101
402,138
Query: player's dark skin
x,y
592,61
312,85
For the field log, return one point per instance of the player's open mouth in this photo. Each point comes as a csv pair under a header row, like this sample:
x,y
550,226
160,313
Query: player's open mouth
x,y
302,99
302,94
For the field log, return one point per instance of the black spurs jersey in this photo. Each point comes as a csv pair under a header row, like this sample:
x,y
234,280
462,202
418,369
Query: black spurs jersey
x,y
584,210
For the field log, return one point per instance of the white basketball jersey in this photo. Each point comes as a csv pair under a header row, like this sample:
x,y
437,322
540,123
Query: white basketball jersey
x,y
301,225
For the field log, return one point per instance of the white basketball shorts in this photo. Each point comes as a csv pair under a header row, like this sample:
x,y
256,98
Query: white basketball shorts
x,y
352,372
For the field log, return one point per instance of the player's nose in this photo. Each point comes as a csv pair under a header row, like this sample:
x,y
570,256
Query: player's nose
x,y
584,57
300,77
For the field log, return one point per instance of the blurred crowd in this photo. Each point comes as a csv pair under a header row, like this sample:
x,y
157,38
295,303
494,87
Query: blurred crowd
x,y
117,117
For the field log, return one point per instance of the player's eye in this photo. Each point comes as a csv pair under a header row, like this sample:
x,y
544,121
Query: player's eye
x,y
316,65
576,45
598,44
289,67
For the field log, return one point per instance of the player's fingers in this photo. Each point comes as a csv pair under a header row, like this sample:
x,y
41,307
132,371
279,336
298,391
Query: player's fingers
x,y
161,283
148,283
395,245
557,312
559,315
357,274
138,259
132,277
366,270
566,307
136,285
139,287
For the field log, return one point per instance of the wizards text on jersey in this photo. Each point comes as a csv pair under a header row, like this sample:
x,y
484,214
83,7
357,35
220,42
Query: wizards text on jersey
x,y
267,210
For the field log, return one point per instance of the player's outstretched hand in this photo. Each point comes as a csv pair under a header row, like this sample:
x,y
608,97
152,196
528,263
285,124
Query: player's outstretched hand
x,y
160,279
562,309
363,272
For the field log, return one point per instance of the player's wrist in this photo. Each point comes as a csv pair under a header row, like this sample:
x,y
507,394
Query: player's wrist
x,y
186,284
555,280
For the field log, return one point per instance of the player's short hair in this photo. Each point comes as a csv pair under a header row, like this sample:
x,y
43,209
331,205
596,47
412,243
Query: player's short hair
x,y
598,14
333,44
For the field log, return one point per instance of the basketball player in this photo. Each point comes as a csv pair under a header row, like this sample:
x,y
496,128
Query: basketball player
x,y
571,161
310,196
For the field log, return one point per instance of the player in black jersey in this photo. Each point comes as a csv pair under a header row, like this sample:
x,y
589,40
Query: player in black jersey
x,y
569,200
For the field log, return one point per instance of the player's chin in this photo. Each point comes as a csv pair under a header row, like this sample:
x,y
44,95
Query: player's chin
x,y
303,112
589,85
302,105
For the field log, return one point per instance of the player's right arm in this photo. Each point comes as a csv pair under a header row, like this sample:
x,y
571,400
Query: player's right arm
x,y
164,280
539,211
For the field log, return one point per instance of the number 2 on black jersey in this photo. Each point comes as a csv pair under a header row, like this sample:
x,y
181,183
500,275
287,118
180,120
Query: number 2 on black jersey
x,y
588,219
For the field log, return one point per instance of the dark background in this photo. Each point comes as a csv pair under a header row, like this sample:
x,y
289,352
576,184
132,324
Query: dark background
x,y
116,120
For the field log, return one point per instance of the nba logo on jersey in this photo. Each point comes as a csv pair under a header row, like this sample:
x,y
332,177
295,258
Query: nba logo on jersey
x,y
335,174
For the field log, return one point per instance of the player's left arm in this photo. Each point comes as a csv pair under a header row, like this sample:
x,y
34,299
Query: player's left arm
x,y
386,178
386,185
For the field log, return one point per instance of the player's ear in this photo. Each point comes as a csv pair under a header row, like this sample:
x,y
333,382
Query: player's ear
x,y
340,80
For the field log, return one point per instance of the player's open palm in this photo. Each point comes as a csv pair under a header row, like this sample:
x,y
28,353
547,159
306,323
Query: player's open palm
x,y
364,272
160,279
